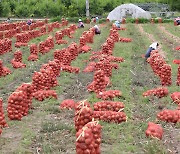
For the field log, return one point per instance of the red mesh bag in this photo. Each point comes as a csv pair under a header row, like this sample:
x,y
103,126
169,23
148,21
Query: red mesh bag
x,y
67,104
154,130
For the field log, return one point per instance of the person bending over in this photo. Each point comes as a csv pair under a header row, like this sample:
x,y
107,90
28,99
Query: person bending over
x,y
152,47
81,24
97,30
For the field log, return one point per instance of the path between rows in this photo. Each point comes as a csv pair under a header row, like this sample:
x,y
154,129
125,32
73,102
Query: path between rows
x,y
176,39
151,37
169,43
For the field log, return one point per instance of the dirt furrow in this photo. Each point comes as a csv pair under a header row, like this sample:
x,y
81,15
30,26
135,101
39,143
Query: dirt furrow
x,y
151,37
175,40
171,44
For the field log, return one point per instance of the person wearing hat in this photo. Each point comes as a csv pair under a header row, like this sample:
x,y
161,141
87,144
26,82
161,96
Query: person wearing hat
x,y
177,20
117,24
97,19
81,24
152,47
8,20
29,22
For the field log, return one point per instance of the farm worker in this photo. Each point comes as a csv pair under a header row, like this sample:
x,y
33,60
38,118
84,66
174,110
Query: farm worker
x,y
97,19
117,24
97,30
152,47
81,24
93,20
29,22
8,20
177,20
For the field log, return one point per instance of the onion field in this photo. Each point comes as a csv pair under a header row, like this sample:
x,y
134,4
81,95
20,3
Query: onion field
x,y
66,90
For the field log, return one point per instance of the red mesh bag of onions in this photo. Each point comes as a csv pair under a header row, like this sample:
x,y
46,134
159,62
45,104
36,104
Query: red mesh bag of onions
x,y
89,139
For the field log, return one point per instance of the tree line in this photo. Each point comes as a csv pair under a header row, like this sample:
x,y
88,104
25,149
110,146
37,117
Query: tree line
x,y
67,8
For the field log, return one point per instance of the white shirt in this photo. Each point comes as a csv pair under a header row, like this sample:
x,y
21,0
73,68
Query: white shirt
x,y
154,45
96,27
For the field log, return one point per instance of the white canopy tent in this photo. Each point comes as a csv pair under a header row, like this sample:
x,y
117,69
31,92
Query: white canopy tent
x,y
125,10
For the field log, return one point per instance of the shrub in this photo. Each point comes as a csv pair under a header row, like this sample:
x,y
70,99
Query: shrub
x,y
22,11
143,20
74,19
130,20
167,20
6,10
58,18
102,20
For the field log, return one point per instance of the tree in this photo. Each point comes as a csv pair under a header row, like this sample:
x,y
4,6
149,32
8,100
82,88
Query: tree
x,y
67,3
72,11
12,6
96,8
6,10
109,6
175,5
1,9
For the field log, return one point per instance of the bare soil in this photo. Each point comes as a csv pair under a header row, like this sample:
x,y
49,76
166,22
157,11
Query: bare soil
x,y
78,89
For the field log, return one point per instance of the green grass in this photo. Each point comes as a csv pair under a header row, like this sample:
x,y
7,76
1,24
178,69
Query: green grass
x,y
172,29
52,126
